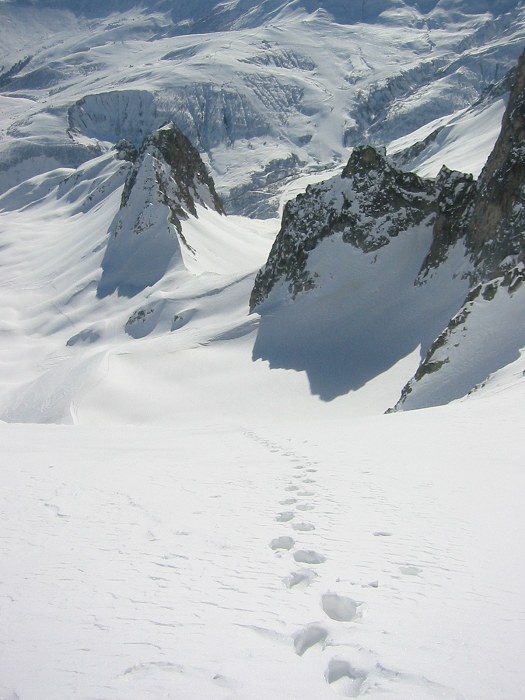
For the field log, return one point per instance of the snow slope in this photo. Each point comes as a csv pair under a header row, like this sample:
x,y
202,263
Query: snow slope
x,y
486,334
376,557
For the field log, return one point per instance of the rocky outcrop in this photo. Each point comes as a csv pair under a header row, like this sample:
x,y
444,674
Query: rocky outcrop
x,y
181,175
476,232
370,203
484,335
166,182
344,296
497,222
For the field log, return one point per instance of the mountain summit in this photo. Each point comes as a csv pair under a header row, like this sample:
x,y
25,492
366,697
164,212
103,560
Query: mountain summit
x,y
165,183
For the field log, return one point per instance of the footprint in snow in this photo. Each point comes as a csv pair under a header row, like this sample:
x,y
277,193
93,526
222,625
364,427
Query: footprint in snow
x,y
283,542
308,637
344,678
224,681
300,579
303,527
351,681
291,488
56,510
410,570
288,501
382,533
340,608
309,556
305,506
285,517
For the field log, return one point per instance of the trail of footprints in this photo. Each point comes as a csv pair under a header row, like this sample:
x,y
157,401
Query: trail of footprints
x,y
347,678
340,674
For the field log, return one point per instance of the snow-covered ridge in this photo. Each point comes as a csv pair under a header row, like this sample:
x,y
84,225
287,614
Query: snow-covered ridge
x,y
370,203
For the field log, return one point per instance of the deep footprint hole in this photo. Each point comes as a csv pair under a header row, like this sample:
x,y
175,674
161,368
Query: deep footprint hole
x,y
340,608
308,637
344,678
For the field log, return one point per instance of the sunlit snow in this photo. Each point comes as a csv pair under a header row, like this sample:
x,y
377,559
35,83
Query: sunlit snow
x,y
180,519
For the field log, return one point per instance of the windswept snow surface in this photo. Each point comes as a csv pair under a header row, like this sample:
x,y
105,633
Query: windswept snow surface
x,y
378,557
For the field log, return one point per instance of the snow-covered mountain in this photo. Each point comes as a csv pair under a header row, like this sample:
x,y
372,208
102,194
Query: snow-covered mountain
x,y
132,242
167,181
219,506
376,258
266,90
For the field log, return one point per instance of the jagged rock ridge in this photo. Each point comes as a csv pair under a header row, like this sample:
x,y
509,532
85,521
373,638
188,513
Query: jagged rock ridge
x,y
166,181
476,233
369,204
489,328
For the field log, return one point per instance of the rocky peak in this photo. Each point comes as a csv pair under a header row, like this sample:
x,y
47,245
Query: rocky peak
x,y
125,150
365,159
187,172
369,204
166,181
387,188
181,175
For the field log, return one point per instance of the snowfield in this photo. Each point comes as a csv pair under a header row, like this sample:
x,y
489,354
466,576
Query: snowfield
x,y
376,557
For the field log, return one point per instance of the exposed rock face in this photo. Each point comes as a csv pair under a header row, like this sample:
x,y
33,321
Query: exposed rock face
x,y
476,233
370,203
165,183
495,238
498,218
181,175
484,335
453,204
